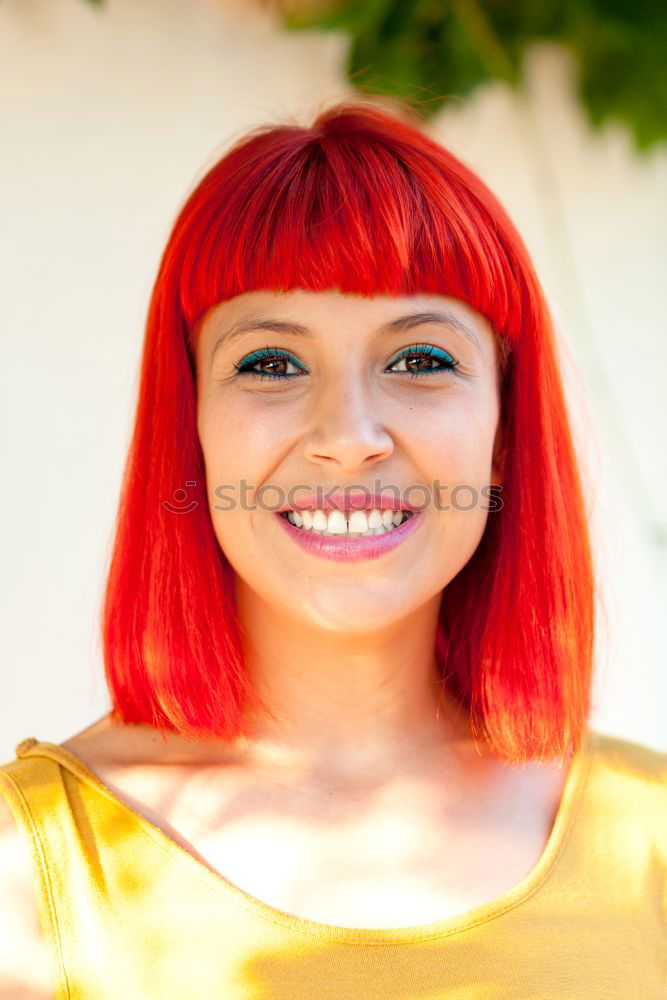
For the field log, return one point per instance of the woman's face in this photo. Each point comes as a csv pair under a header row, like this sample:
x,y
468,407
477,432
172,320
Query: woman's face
x,y
385,395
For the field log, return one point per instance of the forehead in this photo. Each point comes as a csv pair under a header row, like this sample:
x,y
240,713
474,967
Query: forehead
x,y
325,311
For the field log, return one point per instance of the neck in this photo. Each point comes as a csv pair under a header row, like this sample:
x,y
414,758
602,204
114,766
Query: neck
x,y
346,703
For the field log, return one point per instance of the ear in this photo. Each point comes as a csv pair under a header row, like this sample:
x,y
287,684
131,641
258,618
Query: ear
x,y
499,456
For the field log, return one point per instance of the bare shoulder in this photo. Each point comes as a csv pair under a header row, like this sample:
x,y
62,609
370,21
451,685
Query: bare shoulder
x,y
24,966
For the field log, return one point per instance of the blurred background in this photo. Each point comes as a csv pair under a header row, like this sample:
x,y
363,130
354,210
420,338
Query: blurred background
x,y
111,111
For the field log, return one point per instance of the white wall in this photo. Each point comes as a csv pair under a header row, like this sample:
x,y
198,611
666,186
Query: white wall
x,y
108,118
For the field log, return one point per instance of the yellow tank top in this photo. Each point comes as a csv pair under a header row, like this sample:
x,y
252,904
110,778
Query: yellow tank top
x,y
128,914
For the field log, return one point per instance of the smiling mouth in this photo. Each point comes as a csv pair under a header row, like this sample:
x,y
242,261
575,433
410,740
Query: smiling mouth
x,y
347,524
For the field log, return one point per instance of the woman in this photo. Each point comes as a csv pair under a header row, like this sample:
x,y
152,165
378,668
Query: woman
x,y
348,626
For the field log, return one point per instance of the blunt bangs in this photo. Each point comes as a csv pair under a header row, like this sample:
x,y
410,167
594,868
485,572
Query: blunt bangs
x,y
345,206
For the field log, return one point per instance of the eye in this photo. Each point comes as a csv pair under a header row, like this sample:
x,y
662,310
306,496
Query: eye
x,y
274,364
423,359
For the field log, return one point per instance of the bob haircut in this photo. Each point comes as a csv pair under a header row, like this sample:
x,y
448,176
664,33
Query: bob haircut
x,y
362,201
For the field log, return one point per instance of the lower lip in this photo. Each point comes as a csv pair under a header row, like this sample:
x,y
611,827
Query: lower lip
x,y
344,549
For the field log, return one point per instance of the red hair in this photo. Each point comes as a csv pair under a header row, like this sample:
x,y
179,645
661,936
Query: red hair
x,y
362,201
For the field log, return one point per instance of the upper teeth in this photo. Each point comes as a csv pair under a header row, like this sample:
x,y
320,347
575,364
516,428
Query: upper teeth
x,y
353,523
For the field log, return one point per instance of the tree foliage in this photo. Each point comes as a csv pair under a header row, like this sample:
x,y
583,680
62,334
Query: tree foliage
x,y
428,51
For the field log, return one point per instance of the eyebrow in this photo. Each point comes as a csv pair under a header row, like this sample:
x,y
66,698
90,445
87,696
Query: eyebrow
x,y
398,325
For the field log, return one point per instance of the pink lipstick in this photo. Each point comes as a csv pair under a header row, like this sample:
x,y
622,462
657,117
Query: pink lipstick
x,y
342,547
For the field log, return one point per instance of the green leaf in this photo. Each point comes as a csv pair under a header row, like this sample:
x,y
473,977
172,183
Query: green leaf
x,y
343,15
427,51
623,70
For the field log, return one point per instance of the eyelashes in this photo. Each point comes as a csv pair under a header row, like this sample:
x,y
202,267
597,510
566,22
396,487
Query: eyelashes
x,y
420,355
424,354
276,356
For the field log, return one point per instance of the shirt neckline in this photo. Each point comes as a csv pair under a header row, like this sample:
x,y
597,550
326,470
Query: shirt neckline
x,y
566,813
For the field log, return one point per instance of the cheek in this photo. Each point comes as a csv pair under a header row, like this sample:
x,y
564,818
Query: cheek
x,y
453,451
454,442
241,448
237,441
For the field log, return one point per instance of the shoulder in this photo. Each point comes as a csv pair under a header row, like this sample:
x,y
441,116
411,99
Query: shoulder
x,y
24,966
627,787
631,764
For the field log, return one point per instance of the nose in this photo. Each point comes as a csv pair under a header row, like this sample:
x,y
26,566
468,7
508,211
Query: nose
x,y
346,434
